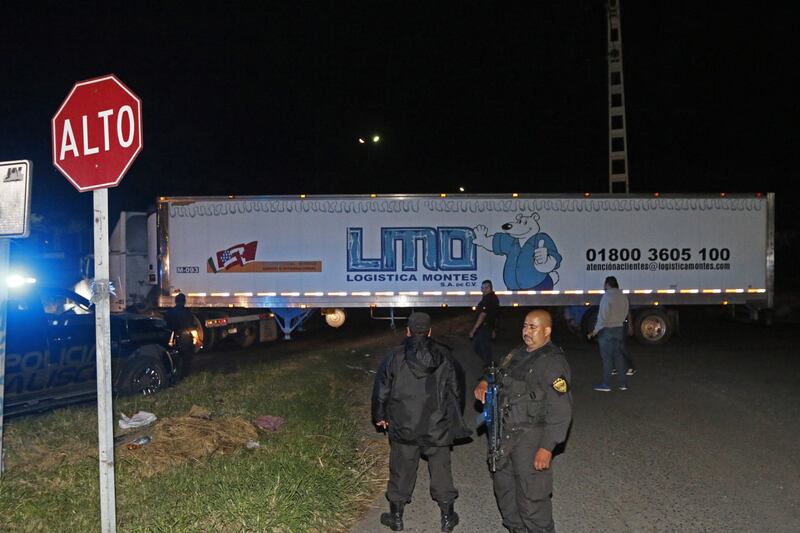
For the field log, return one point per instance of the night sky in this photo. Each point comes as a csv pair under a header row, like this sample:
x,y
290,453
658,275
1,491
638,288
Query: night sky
x,y
271,98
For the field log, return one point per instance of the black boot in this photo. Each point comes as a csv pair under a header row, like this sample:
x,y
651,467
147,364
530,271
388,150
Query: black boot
x,y
449,517
394,518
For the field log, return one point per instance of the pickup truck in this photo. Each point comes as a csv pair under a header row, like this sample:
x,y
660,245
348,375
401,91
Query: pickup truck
x,y
50,356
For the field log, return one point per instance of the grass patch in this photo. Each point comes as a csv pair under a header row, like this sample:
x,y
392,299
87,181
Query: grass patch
x,y
313,475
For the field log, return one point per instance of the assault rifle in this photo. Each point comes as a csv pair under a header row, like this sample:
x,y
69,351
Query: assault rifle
x,y
493,418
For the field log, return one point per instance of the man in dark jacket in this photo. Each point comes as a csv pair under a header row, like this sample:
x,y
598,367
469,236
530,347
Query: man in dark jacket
x,y
181,321
536,401
416,399
482,331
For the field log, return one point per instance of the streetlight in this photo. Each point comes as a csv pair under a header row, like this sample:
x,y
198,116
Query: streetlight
x,y
374,141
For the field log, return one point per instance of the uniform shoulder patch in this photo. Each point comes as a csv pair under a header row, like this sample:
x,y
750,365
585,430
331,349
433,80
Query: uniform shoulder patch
x,y
560,385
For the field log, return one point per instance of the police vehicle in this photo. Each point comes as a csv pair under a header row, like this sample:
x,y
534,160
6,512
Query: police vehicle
x,y
50,356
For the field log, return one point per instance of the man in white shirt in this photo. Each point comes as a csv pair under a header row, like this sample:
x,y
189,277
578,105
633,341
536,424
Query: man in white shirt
x,y
610,333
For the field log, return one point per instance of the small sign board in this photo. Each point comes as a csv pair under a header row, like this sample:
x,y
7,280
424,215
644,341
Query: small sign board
x,y
15,198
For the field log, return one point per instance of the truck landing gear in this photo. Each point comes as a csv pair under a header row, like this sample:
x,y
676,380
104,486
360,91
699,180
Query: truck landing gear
x,y
291,318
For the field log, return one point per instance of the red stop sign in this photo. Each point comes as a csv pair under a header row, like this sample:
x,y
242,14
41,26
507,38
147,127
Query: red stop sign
x,y
97,133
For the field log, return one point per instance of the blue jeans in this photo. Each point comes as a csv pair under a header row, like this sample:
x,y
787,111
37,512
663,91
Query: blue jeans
x,y
612,343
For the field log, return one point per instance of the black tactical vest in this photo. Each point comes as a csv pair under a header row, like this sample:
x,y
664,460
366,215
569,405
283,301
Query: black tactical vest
x,y
522,395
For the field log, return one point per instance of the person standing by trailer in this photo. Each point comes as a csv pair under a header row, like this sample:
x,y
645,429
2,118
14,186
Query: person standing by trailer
x,y
181,321
610,332
483,329
417,399
629,362
535,399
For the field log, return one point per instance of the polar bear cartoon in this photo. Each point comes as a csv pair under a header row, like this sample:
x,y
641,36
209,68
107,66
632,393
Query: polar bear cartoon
x,y
532,257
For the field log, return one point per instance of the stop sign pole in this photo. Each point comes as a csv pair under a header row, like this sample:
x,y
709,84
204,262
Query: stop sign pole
x,y
97,133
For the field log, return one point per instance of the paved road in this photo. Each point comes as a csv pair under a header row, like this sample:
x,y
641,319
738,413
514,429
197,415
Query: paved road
x,y
705,439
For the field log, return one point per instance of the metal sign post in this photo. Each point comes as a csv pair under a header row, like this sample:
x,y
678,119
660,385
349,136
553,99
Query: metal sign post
x,y
15,208
102,310
4,251
97,133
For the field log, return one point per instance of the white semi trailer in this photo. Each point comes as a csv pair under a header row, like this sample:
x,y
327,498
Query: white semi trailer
x,y
240,260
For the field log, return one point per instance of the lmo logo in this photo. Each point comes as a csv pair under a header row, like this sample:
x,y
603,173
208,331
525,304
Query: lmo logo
x,y
442,248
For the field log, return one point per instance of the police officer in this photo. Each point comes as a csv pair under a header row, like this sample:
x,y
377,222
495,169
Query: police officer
x,y
181,321
417,399
534,394
482,331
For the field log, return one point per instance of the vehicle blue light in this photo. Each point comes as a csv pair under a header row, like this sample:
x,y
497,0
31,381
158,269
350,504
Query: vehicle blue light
x,y
16,280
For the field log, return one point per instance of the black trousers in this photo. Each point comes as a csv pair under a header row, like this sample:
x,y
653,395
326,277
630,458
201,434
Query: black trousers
x,y
186,348
482,344
524,494
403,464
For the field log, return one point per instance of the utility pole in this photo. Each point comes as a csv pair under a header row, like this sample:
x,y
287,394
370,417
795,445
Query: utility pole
x,y
618,179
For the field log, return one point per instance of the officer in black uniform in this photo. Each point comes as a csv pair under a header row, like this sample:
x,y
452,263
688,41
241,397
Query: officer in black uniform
x,y
181,321
536,402
482,331
417,399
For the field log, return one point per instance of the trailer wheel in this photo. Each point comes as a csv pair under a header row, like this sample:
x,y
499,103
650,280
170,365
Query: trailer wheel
x,y
246,336
209,339
146,375
202,338
653,326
